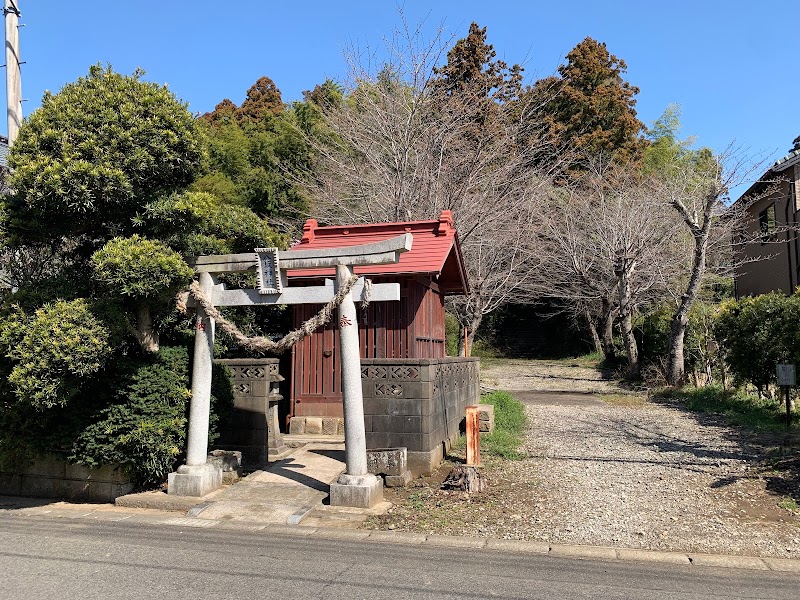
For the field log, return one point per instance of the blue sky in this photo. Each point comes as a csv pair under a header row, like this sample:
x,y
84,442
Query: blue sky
x,y
729,65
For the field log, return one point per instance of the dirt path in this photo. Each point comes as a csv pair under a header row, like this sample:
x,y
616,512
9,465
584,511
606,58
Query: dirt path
x,y
545,376
622,472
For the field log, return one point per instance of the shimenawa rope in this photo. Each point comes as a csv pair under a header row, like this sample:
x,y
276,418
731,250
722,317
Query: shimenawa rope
x,y
264,344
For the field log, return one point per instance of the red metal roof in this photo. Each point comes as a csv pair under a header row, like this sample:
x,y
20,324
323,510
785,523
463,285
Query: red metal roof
x,y
435,249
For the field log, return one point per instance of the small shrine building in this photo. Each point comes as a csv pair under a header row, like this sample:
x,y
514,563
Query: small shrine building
x,y
413,328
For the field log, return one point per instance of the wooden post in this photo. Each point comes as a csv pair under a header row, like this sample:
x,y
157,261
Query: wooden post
x,y
473,437
787,380
13,75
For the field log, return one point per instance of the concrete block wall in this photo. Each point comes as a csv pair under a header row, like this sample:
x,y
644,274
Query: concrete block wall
x,y
51,477
418,404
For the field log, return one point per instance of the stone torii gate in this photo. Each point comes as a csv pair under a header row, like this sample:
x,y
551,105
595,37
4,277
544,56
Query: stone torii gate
x,y
355,487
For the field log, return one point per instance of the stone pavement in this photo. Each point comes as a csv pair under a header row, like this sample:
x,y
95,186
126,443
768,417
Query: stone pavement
x,y
291,490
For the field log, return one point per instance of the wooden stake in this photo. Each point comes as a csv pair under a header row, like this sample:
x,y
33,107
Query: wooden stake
x,y
473,437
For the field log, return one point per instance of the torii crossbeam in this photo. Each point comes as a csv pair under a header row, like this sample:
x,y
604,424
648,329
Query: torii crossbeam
x,y
355,487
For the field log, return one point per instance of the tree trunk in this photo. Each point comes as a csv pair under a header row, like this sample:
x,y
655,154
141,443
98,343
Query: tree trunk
x,y
465,479
631,347
597,344
676,375
624,271
145,334
607,320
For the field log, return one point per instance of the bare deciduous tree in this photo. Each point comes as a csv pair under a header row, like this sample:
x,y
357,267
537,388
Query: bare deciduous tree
x,y
402,147
611,245
696,191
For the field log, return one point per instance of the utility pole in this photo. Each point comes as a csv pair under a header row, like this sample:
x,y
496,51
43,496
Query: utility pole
x,y
13,75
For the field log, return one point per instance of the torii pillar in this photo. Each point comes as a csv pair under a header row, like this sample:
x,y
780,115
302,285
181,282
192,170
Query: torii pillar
x,y
355,487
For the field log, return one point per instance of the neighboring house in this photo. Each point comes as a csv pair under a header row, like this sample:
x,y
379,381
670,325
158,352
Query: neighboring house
x,y
774,252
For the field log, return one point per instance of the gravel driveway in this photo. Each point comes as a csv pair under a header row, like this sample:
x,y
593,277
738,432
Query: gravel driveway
x,y
649,476
624,472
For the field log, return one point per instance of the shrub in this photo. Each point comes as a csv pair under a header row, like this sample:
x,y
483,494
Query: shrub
x,y
201,213
140,268
53,351
758,333
146,429
736,406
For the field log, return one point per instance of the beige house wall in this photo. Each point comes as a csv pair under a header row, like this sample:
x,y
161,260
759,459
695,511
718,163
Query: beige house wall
x,y
772,266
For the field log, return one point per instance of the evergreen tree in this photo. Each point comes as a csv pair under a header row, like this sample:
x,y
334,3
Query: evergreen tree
x,y
591,106
471,67
256,151
95,154
95,241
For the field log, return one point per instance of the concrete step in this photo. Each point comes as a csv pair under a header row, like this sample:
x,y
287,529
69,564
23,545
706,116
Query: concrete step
x,y
295,440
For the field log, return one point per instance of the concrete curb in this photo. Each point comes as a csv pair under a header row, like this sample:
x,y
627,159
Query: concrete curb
x,y
687,559
160,501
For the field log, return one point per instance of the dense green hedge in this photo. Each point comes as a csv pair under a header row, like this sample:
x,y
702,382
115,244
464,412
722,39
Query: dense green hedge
x,y
133,413
757,333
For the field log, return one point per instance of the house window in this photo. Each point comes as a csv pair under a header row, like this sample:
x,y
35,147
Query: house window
x,y
766,221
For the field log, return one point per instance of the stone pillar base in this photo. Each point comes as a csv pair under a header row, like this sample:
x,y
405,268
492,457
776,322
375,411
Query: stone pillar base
x,y
197,480
279,453
358,491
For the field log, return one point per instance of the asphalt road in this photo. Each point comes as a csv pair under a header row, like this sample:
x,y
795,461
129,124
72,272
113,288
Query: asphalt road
x,y
72,559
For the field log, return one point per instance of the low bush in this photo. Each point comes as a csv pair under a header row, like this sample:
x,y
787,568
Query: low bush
x,y
758,333
737,407
53,351
146,430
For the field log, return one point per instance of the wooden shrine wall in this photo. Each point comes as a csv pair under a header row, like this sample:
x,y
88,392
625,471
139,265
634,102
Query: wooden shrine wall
x,y
411,328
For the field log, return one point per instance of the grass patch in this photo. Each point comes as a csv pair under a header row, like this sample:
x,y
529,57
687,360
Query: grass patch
x,y
738,408
590,360
789,504
510,422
